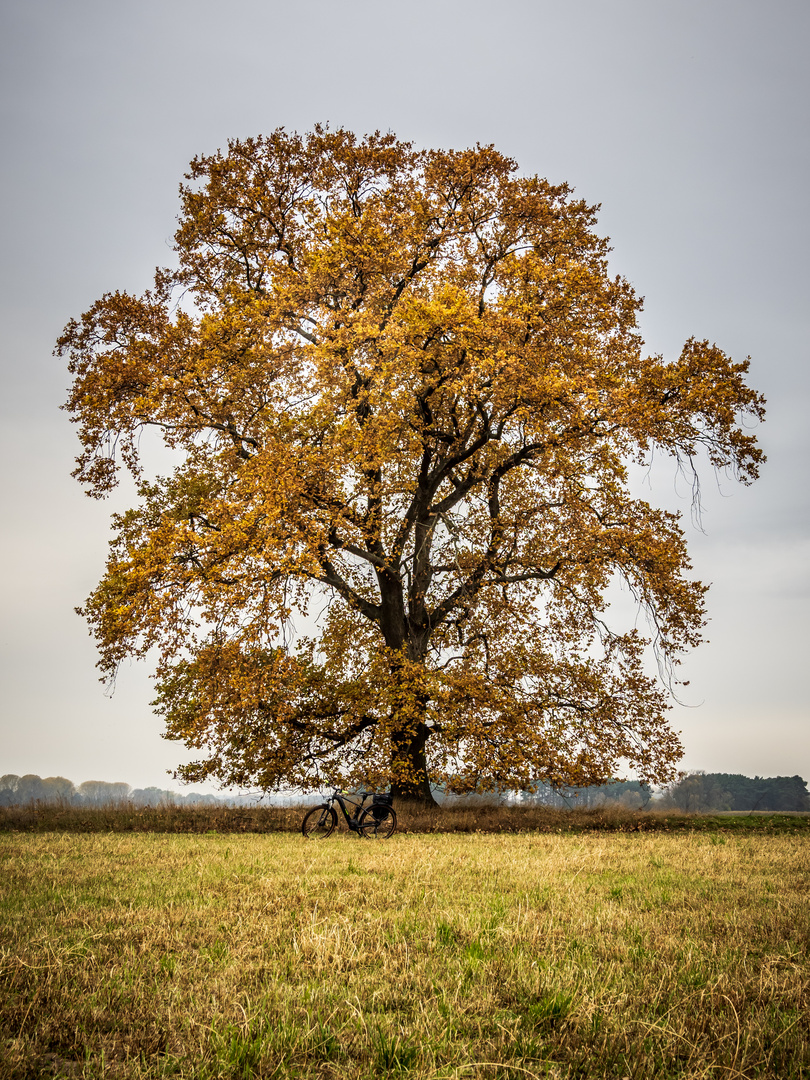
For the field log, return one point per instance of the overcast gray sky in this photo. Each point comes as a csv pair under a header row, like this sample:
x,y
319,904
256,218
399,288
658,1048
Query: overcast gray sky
x,y
686,119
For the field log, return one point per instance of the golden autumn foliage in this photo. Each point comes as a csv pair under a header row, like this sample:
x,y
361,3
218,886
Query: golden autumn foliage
x,y
404,391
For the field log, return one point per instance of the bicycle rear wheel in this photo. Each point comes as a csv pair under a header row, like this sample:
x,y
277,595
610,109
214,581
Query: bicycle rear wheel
x,y
377,822
319,822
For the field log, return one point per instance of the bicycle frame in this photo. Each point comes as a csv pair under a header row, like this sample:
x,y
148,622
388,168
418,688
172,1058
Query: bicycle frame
x,y
342,800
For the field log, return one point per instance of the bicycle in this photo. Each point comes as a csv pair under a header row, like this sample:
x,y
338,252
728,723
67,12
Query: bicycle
x,y
377,821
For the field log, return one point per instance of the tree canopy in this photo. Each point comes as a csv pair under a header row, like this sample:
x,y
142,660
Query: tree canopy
x,y
404,391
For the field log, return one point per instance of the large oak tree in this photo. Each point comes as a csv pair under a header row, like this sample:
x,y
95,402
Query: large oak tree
x,y
404,391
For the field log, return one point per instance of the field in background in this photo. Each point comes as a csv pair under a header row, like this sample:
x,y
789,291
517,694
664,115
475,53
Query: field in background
x,y
480,817
589,954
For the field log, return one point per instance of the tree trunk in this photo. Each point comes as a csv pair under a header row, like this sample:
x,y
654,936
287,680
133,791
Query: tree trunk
x,y
410,782
409,766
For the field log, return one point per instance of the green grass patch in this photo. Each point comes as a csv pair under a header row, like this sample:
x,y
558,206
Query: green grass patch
x,y
571,955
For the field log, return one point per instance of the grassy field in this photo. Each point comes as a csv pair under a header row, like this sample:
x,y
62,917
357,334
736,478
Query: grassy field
x,y
481,817
645,954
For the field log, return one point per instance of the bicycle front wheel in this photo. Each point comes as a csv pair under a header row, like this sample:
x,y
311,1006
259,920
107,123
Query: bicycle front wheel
x,y
377,822
319,823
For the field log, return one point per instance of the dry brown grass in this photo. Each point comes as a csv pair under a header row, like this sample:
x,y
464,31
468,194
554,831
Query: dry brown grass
x,y
478,817
443,955
123,817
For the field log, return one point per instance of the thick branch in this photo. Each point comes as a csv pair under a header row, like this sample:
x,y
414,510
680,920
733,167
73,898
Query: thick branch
x,y
336,581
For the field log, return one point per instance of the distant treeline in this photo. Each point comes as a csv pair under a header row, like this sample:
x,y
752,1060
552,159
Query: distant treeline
x,y
630,794
23,790
697,792
731,791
